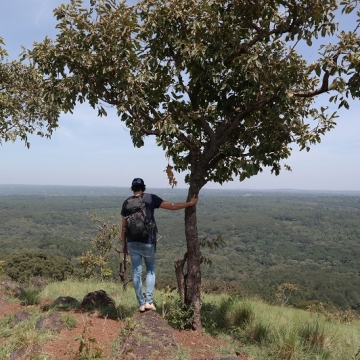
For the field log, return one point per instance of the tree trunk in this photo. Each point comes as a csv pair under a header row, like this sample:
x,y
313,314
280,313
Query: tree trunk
x,y
189,282
181,277
193,276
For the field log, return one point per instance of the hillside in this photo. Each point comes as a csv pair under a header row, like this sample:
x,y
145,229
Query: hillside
x,y
34,324
309,239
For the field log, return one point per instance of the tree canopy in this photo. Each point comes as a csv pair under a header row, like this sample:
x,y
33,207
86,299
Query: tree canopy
x,y
220,81
23,109
222,85
24,266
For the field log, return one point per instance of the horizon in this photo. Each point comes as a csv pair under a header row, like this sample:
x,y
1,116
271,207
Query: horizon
x,y
183,188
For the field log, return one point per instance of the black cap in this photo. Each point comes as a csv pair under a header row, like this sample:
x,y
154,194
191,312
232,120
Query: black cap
x,y
137,182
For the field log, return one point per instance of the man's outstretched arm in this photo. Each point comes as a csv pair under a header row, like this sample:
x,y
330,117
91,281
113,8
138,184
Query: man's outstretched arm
x,y
178,206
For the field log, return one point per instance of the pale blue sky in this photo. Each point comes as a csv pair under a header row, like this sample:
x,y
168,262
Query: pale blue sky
x,y
87,150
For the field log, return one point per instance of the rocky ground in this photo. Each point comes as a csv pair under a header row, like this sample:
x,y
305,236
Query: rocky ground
x,y
144,336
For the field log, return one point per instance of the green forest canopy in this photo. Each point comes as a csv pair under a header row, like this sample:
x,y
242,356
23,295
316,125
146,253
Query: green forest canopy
x,y
310,239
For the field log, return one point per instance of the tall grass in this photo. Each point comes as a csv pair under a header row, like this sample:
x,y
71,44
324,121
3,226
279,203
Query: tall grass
x,y
124,299
280,333
78,289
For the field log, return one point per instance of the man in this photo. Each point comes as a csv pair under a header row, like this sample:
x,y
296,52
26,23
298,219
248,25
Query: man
x,y
145,248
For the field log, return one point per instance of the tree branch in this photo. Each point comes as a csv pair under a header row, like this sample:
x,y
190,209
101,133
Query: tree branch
x,y
228,126
324,86
261,35
181,277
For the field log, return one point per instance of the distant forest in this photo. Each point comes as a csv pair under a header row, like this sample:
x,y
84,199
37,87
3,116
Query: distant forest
x,y
309,239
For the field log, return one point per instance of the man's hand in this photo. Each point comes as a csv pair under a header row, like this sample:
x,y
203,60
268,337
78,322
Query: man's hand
x,y
194,200
124,249
178,206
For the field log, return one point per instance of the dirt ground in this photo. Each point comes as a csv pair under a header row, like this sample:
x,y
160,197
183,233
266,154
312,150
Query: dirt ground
x,y
144,336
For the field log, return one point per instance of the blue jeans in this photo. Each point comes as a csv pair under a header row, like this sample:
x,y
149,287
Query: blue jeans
x,y
139,251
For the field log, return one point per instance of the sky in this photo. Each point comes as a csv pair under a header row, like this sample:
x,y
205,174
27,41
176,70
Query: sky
x,y
92,151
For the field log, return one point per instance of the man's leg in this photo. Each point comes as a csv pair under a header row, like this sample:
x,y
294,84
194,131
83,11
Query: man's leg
x,y
149,257
136,264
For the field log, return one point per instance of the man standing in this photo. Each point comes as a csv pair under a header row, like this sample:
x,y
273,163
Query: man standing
x,y
145,248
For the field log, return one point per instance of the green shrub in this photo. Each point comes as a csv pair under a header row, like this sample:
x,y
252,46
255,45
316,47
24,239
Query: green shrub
x,y
259,333
179,315
241,315
208,317
287,347
23,266
220,314
30,296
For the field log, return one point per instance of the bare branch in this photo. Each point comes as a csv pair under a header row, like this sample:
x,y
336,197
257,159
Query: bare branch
x,y
324,86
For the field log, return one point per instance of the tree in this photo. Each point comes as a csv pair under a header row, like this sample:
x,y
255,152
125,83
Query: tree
x,y
102,244
284,292
23,108
24,266
221,85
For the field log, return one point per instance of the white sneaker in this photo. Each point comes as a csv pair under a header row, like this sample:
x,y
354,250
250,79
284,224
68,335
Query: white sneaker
x,y
150,307
142,308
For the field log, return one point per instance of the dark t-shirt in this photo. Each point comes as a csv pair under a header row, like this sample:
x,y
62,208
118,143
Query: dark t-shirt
x,y
152,202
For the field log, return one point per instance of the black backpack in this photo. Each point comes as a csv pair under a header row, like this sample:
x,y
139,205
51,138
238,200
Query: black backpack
x,y
138,224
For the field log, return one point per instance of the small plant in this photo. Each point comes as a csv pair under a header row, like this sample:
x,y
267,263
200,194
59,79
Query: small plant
x,y
102,244
69,321
29,339
29,296
88,347
168,295
5,320
284,293
120,345
179,315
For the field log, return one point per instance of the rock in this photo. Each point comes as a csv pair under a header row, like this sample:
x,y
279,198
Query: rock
x,y
20,317
52,322
18,353
26,353
149,337
97,299
11,288
65,302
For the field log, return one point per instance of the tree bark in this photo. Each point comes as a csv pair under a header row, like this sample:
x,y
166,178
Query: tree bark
x,y
181,277
193,278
